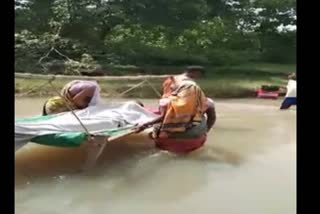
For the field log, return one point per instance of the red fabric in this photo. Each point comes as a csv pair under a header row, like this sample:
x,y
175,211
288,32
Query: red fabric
x,y
180,146
153,109
267,94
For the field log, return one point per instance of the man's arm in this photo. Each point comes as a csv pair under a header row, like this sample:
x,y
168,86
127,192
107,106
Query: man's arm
x,y
211,117
152,122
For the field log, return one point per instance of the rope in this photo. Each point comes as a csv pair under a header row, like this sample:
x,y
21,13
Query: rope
x,y
32,89
133,87
68,59
115,95
154,89
47,55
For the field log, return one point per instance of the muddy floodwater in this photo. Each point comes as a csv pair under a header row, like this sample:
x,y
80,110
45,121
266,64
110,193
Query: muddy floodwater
x,y
248,166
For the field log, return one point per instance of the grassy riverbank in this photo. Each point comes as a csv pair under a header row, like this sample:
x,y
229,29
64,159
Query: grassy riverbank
x,y
231,82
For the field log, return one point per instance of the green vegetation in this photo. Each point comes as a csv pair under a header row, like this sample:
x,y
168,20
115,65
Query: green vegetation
x,y
143,36
238,41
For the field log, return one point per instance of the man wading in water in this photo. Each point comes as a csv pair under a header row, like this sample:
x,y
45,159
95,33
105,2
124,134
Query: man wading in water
x,y
186,115
291,94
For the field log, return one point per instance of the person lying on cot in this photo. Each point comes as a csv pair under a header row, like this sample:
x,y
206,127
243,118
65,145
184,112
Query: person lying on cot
x,y
77,94
291,94
186,115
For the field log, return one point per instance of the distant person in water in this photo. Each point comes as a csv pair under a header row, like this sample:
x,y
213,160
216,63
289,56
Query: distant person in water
x,y
291,95
77,94
186,114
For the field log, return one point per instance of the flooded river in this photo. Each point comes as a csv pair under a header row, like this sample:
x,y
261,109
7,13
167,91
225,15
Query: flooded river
x,y
248,166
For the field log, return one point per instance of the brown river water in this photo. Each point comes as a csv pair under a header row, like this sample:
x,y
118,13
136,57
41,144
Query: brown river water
x,y
248,166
